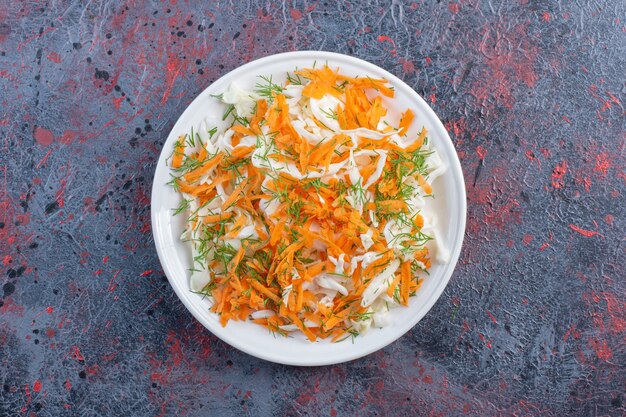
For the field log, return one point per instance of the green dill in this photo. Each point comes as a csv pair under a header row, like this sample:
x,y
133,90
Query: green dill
x,y
330,114
194,214
351,334
189,164
224,253
239,163
361,316
341,87
295,211
230,111
416,266
207,290
323,124
317,183
317,145
358,193
337,274
191,139
273,329
255,275
383,265
173,182
184,205
267,88
294,79
396,295
295,235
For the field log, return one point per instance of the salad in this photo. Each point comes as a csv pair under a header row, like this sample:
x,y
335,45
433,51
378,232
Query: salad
x,y
308,212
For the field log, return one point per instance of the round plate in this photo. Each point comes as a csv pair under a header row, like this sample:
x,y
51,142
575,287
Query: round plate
x,y
175,256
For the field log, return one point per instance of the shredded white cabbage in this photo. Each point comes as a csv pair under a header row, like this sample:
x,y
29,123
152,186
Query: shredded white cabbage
x,y
315,121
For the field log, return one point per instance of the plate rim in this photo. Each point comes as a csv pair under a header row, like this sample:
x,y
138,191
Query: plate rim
x,y
455,251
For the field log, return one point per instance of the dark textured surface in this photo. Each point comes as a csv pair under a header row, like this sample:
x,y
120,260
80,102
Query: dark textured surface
x,y
534,319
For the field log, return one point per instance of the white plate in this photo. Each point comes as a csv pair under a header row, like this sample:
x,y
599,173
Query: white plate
x,y
175,256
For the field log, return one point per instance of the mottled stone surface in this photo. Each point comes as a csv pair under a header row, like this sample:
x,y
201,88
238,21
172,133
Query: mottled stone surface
x,y
534,319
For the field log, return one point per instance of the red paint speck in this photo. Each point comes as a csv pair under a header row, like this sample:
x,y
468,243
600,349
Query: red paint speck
x,y
37,386
147,272
545,17
68,384
295,14
454,8
427,379
385,38
573,332
617,312
609,218
487,341
586,233
76,354
117,102
531,156
602,349
43,136
68,137
558,173
173,66
527,239
491,316
49,310
482,152
603,163
54,57
407,66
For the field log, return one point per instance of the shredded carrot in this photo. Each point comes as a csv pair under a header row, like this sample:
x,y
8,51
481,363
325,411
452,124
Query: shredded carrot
x,y
393,285
418,142
218,217
405,272
179,152
424,184
235,195
265,291
405,121
203,169
281,224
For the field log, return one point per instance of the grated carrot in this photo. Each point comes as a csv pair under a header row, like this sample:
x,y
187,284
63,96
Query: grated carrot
x,y
275,227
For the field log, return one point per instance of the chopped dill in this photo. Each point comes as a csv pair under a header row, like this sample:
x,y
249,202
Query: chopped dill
x,y
294,79
184,205
267,89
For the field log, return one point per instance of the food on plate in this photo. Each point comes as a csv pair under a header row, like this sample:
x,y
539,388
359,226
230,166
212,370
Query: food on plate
x,y
307,207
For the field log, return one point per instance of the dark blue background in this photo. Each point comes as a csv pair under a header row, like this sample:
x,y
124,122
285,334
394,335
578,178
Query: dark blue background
x,y
534,319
